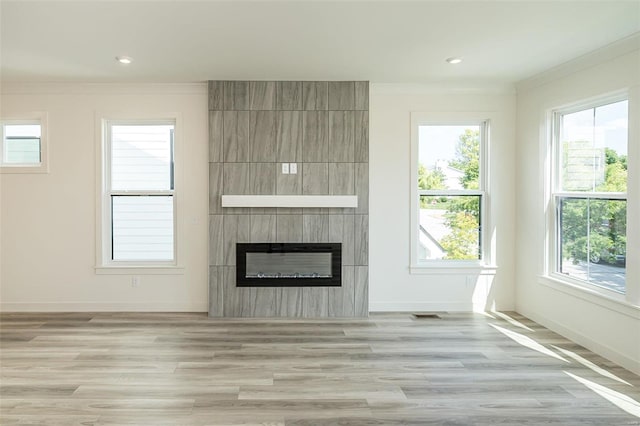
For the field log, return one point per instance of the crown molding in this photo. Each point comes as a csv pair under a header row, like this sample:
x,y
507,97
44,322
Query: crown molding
x,y
480,88
604,54
20,88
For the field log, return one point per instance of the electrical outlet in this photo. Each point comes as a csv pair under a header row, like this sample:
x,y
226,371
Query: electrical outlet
x,y
293,168
135,281
285,168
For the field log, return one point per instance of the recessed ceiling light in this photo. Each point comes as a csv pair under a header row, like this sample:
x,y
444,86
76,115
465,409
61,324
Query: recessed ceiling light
x,y
454,60
124,60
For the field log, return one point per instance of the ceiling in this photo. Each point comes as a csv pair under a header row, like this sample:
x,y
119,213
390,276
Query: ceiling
x,y
383,41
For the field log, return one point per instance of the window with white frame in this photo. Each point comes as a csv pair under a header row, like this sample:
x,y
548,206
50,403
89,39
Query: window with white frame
x,y
589,194
450,192
22,145
139,220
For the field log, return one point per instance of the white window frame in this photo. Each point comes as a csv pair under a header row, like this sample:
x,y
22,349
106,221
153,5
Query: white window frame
x,y
484,263
104,262
555,192
39,118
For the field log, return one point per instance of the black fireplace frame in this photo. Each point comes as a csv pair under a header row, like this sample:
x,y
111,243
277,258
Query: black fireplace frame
x,y
336,264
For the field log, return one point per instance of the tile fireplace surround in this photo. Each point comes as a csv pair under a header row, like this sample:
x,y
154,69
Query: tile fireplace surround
x,y
322,127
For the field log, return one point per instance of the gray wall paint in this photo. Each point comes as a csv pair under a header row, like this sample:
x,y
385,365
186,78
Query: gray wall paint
x,y
254,126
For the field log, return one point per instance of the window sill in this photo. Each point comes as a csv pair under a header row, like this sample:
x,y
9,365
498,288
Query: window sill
x,y
24,169
440,268
613,302
139,270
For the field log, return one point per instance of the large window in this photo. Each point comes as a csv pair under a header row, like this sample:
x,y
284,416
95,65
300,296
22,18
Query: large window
x,y
450,192
22,146
590,194
139,194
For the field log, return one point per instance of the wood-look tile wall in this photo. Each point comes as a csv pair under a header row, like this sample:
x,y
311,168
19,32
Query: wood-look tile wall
x,y
254,126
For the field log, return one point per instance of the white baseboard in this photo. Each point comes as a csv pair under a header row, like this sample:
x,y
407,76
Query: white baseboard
x,y
605,351
420,306
104,307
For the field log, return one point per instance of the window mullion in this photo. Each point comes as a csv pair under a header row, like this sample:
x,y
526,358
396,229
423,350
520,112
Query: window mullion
x,y
557,170
142,193
592,195
452,192
2,153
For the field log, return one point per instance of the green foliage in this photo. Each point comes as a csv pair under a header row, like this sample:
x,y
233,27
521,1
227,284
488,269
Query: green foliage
x,y
463,213
466,204
468,158
429,180
612,157
594,248
595,230
463,241
615,178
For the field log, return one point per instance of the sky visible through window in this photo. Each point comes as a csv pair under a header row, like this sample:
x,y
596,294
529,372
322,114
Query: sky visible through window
x,y
141,157
606,129
438,142
22,130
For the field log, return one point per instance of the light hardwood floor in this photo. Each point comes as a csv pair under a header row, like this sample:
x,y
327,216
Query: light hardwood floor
x,y
392,369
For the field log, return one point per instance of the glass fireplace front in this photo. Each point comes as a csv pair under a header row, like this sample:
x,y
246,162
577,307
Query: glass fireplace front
x,y
288,264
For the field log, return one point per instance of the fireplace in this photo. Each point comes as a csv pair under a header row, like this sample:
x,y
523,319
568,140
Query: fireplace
x,y
288,264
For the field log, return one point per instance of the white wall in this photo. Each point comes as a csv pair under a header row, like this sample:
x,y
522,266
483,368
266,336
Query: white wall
x,y
392,287
606,327
48,221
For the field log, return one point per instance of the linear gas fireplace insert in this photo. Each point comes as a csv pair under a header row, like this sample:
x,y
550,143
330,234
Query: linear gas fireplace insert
x,y
288,264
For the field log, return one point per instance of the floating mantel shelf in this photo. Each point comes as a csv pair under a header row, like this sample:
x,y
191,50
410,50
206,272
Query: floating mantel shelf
x,y
290,201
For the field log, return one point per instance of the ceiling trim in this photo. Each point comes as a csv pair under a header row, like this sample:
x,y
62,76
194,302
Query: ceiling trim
x,y
9,88
441,88
607,53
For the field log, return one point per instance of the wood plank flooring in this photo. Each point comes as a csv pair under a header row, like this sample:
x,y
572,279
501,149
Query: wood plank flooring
x,y
390,369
